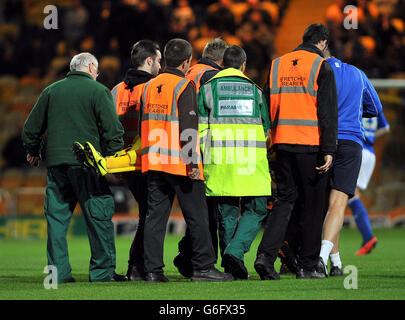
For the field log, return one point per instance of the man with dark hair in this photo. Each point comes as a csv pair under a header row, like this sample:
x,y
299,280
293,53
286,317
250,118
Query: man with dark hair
x,y
301,92
142,50
171,157
145,56
234,121
316,33
207,67
357,98
235,57
176,52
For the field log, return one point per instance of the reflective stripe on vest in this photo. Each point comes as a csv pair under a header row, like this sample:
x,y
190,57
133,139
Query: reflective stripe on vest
x,y
224,120
160,134
196,72
233,140
275,89
293,98
238,144
127,105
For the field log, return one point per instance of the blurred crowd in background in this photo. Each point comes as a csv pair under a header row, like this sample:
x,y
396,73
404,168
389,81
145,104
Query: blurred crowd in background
x,y
378,44
32,57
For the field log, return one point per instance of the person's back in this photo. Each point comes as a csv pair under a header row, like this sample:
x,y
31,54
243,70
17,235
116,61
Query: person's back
x,y
302,96
170,155
356,99
237,119
76,118
350,87
72,111
210,63
234,125
127,102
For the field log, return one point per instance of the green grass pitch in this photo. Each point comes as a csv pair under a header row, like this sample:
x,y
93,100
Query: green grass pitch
x,y
381,274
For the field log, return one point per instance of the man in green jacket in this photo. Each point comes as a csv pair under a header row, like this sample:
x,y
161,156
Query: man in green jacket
x,y
234,124
77,108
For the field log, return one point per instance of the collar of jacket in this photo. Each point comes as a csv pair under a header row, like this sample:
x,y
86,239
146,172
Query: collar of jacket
x,y
80,73
230,72
210,62
175,71
133,77
309,47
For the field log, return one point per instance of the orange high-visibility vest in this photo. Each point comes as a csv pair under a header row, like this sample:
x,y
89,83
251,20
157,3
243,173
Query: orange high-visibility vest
x,y
127,104
196,72
293,98
160,133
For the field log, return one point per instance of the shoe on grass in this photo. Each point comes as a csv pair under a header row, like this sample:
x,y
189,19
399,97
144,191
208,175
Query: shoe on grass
x,y
335,271
367,247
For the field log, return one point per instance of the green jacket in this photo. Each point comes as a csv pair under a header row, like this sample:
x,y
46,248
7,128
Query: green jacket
x,y
234,124
76,108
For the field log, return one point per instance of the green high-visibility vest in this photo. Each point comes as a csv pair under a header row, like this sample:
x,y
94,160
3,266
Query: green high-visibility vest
x,y
233,124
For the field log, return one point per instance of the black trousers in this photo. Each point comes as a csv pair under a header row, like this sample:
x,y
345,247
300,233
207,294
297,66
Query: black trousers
x,y
185,242
136,183
296,177
193,204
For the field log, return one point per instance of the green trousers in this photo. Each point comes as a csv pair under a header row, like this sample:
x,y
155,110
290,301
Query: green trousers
x,y
237,234
67,185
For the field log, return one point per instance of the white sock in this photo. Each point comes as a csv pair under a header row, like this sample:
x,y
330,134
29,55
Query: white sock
x,y
335,260
326,248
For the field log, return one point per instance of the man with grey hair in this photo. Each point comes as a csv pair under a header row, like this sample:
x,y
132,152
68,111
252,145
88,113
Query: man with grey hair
x,y
85,62
76,108
210,63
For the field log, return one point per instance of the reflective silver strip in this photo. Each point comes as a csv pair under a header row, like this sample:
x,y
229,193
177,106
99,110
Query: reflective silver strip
x,y
235,120
172,117
274,79
203,120
275,89
159,150
295,122
114,93
312,76
209,96
177,89
171,153
200,74
238,144
144,98
160,117
209,99
235,88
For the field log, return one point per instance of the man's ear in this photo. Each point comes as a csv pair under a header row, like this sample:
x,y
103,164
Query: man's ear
x,y
185,63
243,66
149,61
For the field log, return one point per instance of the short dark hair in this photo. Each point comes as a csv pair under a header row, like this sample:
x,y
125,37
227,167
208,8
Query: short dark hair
x,y
176,51
214,50
316,33
143,49
234,57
